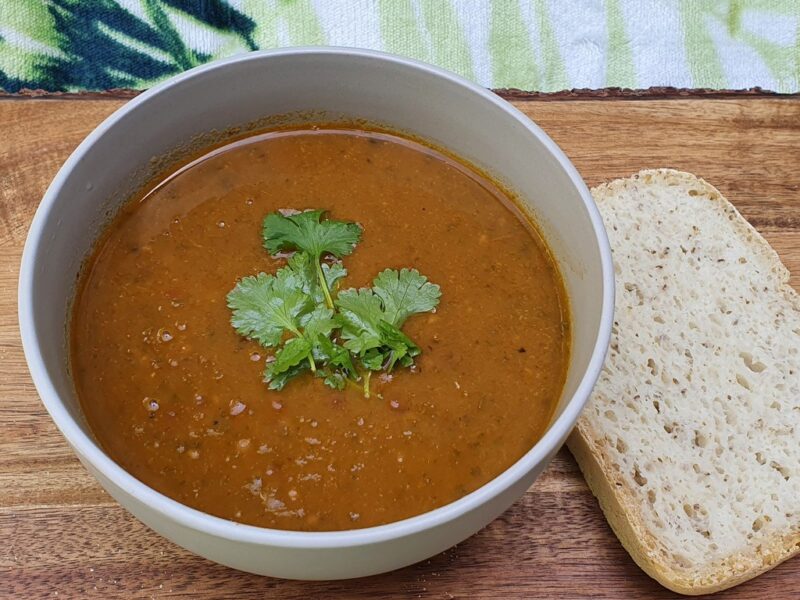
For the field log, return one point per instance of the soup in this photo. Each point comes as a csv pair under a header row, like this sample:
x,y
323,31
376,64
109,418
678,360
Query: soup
x,y
176,395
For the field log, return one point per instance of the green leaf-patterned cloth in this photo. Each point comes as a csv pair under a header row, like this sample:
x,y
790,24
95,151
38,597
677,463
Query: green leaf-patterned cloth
x,y
541,45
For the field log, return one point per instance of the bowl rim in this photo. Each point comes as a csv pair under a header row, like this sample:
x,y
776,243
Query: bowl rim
x,y
90,451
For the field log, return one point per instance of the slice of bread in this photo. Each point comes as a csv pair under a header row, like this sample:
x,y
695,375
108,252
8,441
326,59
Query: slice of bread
x,y
691,440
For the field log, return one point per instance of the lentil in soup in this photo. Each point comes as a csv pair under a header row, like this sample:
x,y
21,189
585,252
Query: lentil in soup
x,y
176,396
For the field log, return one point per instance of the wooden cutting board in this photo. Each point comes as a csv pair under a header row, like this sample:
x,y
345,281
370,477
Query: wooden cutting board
x,y
62,536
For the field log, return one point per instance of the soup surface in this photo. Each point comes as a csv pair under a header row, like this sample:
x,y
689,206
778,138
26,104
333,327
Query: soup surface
x,y
176,396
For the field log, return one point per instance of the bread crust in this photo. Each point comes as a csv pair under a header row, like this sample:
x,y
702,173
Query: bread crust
x,y
621,508
623,515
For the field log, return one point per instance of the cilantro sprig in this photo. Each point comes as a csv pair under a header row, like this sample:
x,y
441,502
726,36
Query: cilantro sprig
x,y
306,233
339,336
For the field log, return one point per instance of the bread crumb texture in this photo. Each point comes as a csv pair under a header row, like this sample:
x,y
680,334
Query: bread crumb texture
x,y
695,420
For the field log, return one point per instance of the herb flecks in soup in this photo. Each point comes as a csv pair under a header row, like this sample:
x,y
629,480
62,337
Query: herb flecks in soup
x,y
341,341
175,395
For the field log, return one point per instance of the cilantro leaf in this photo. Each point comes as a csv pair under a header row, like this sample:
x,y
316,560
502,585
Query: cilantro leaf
x,y
333,272
374,359
402,348
266,306
335,380
394,297
340,368
370,318
277,381
316,326
293,352
405,293
305,232
359,312
336,355
308,234
318,323
395,347
304,267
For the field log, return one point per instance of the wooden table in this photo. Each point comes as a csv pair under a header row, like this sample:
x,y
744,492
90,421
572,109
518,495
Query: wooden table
x,y
62,536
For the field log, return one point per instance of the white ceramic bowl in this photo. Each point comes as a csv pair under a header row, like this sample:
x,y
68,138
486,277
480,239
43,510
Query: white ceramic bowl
x,y
397,92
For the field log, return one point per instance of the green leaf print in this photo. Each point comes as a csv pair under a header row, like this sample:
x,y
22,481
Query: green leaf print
x,y
620,68
100,45
75,45
516,63
27,46
286,23
511,49
782,62
430,31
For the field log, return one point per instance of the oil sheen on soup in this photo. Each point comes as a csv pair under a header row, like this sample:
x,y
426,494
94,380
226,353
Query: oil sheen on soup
x,y
176,396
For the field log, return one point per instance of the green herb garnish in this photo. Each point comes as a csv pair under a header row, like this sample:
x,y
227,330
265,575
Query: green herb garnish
x,y
306,233
341,337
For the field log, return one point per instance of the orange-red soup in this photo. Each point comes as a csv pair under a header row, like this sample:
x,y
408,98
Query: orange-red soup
x,y
176,396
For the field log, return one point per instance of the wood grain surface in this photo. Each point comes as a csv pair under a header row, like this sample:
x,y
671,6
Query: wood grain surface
x,y
62,536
